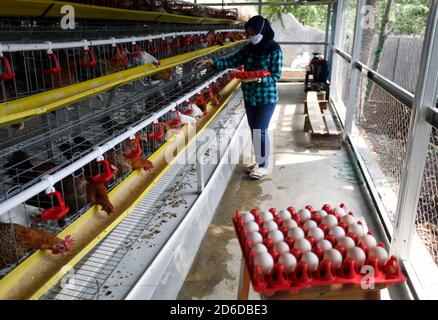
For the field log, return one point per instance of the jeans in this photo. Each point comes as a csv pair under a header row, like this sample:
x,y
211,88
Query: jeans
x,y
259,117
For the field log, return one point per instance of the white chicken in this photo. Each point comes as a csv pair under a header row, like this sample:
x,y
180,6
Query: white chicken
x,y
170,133
197,112
143,58
186,119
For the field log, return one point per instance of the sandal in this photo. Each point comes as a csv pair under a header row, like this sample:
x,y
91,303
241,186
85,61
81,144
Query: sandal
x,y
250,168
258,173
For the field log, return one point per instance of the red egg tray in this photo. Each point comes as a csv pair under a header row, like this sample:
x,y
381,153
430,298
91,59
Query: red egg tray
x,y
301,278
250,74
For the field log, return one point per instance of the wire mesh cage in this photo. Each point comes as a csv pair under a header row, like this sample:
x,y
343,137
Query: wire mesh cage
x,y
70,133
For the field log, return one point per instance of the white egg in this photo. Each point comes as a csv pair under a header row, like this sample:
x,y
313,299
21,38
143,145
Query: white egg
x,y
270,225
379,253
357,254
338,232
357,229
368,240
330,221
321,213
284,214
252,226
348,219
265,261
276,236
255,237
295,233
309,224
289,223
281,247
266,216
259,247
324,244
316,233
346,243
311,259
335,257
339,211
247,217
289,261
303,245
304,214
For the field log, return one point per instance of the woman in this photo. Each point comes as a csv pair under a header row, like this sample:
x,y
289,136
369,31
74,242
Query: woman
x,y
260,94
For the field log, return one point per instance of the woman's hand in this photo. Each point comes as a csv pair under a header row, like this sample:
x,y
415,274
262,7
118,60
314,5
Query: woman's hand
x,y
201,63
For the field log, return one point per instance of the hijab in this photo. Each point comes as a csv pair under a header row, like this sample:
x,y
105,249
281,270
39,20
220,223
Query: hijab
x,y
261,25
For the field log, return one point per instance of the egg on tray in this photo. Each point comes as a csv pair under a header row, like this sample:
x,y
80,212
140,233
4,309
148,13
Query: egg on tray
x,y
255,237
289,224
265,261
338,232
252,226
304,214
316,233
282,247
329,220
266,216
284,214
310,224
335,257
270,225
311,259
379,253
296,233
247,217
346,243
303,245
358,255
259,247
324,244
289,261
276,236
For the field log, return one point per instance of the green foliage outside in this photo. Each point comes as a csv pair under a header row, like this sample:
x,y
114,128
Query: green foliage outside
x,y
407,17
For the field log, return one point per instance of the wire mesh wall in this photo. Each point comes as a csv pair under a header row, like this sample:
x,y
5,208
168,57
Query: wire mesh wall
x,y
427,215
383,124
348,19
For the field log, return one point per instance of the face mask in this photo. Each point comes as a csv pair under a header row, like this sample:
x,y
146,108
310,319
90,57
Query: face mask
x,y
258,37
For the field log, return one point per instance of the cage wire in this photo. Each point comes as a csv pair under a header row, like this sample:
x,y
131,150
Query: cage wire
x,y
69,133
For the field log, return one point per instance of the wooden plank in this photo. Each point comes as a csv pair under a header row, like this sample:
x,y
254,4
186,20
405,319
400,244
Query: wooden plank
x,y
315,115
333,292
330,123
325,141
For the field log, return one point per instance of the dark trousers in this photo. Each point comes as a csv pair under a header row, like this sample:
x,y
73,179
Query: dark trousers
x,y
259,117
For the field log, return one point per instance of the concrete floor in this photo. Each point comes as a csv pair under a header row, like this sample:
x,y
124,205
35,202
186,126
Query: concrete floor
x,y
300,176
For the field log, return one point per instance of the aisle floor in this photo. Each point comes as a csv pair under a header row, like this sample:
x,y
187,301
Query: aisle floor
x,y
300,176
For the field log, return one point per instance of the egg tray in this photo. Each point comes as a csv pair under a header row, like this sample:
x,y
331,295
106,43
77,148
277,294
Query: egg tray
x,y
250,74
301,278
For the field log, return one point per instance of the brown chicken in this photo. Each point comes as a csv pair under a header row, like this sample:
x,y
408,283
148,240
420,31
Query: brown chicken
x,y
16,241
141,163
164,75
97,194
119,161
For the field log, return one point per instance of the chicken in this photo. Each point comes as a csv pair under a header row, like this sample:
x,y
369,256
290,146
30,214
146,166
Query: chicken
x,y
214,38
97,194
196,111
119,161
164,75
187,119
23,171
66,77
144,58
141,163
78,146
16,241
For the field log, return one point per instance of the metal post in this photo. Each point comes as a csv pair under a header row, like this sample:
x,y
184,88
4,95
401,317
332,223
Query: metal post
x,y
354,73
260,7
338,10
418,140
327,29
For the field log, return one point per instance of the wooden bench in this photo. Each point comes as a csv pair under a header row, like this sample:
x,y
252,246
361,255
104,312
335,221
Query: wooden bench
x,y
320,123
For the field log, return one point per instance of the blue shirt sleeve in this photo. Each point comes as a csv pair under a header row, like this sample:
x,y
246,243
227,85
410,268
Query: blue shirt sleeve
x,y
275,68
233,61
